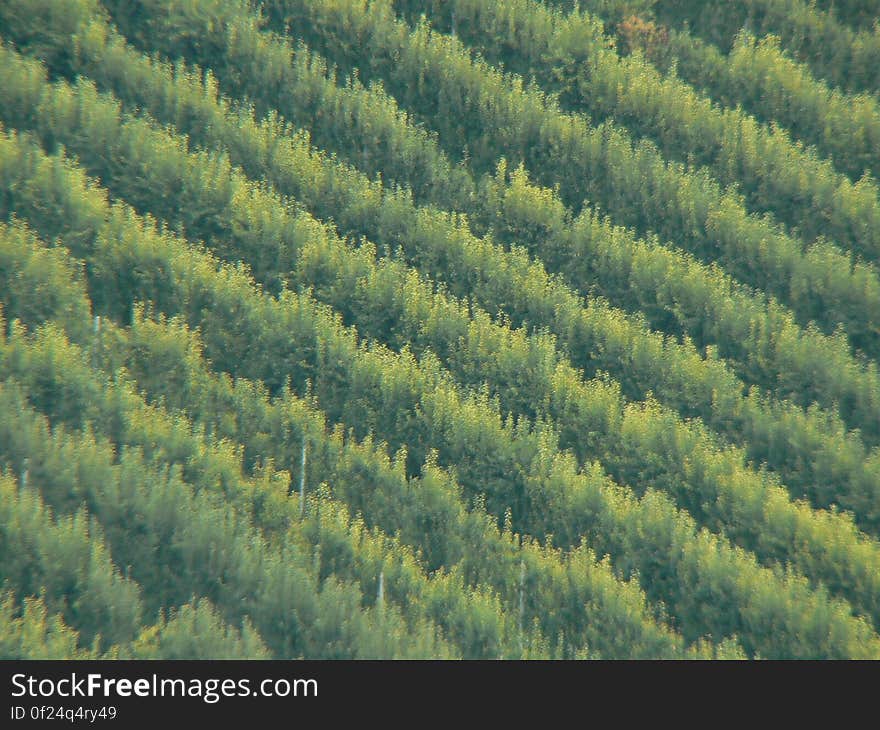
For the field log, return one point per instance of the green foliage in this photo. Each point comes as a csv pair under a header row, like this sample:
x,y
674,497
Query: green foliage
x,y
843,56
178,542
568,55
58,378
762,77
526,374
39,283
500,115
857,13
702,302
374,389
279,330
430,239
30,632
65,561
195,631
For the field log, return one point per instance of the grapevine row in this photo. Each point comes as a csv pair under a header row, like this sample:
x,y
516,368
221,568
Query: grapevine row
x,y
389,394
176,542
816,451
761,77
570,56
761,338
844,57
520,370
463,98
166,361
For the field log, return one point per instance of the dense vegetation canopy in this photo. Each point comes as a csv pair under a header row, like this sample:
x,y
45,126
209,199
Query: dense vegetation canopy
x,y
439,329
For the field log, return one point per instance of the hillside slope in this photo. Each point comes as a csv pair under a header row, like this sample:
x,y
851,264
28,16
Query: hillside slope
x,y
421,329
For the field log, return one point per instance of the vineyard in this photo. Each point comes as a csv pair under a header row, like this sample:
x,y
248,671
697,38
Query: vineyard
x,y
481,329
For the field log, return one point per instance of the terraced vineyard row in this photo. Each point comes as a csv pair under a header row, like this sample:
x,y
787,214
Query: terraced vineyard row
x,y
325,337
